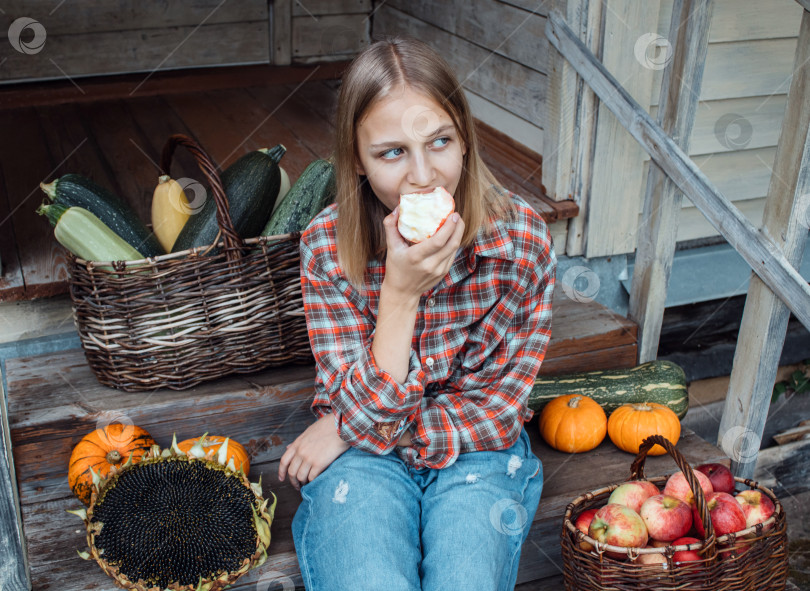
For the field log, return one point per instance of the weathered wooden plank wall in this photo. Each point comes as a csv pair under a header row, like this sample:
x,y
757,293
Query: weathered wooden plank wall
x,y
97,37
739,116
66,40
742,103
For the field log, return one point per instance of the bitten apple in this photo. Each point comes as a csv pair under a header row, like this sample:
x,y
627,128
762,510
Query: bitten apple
x,y
678,487
422,214
725,512
633,494
666,518
719,475
685,555
619,526
582,523
756,506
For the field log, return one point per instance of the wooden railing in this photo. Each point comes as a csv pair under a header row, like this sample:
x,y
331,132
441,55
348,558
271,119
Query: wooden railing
x,y
773,252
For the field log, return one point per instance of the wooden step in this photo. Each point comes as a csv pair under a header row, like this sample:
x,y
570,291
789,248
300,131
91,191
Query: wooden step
x,y
53,400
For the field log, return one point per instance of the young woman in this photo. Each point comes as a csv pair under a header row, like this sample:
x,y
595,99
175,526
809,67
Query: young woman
x,y
418,472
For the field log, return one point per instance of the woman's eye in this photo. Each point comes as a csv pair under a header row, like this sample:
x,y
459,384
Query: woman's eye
x,y
441,142
392,153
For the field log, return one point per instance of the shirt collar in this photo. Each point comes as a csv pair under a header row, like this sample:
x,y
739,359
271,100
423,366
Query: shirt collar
x,y
497,244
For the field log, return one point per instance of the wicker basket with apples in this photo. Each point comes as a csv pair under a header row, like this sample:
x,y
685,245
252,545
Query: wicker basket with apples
x,y
696,529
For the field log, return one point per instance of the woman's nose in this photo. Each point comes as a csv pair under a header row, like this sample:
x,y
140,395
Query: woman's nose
x,y
422,171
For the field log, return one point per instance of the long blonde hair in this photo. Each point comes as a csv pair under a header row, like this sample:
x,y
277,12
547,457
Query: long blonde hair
x,y
383,66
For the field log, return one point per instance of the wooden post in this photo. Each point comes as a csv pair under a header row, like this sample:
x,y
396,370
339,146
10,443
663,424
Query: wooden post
x,y
765,318
13,565
571,105
758,250
680,90
281,25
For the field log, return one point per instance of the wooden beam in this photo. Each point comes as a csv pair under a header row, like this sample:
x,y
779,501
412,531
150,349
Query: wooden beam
x,y
657,234
14,573
570,123
616,184
765,318
759,251
281,27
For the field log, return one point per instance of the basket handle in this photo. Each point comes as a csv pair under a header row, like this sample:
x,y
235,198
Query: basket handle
x,y
233,243
637,473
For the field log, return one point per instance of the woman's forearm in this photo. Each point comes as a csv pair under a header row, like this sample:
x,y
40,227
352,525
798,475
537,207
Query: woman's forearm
x,y
391,345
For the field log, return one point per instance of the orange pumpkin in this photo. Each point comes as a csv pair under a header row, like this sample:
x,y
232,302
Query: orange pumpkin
x,y
100,451
630,424
573,423
212,443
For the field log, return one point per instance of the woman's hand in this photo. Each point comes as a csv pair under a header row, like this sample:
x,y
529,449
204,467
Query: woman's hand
x,y
413,269
312,452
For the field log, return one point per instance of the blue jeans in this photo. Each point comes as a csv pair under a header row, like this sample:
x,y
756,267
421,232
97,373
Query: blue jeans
x,y
371,522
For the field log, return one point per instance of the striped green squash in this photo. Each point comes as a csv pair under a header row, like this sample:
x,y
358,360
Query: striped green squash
x,y
655,381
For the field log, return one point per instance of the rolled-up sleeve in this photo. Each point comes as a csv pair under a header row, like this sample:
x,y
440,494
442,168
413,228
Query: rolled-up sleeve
x,y
370,407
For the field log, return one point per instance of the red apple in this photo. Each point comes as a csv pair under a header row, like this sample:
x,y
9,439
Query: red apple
x,y
719,475
678,487
658,543
756,506
685,555
582,523
725,512
619,526
633,494
740,547
666,518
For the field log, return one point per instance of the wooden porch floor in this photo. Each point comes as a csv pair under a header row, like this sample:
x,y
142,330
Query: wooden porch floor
x,y
113,131
54,400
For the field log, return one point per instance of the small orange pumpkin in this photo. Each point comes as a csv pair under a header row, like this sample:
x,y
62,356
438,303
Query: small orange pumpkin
x,y
100,451
573,423
631,423
210,444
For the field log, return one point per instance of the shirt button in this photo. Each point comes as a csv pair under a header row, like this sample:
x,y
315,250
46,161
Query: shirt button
x,y
429,361
431,302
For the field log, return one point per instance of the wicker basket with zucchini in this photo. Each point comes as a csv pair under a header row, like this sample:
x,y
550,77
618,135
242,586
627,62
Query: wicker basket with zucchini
x,y
225,299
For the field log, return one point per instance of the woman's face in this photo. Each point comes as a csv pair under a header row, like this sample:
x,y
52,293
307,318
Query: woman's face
x,y
407,143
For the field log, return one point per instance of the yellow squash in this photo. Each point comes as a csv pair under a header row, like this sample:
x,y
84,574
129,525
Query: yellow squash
x,y
170,211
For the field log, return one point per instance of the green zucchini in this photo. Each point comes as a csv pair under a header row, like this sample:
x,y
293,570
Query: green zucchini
x,y
314,190
86,236
74,190
655,381
251,185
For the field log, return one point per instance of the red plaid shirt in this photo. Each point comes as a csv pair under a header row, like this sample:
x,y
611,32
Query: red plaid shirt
x,y
480,337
